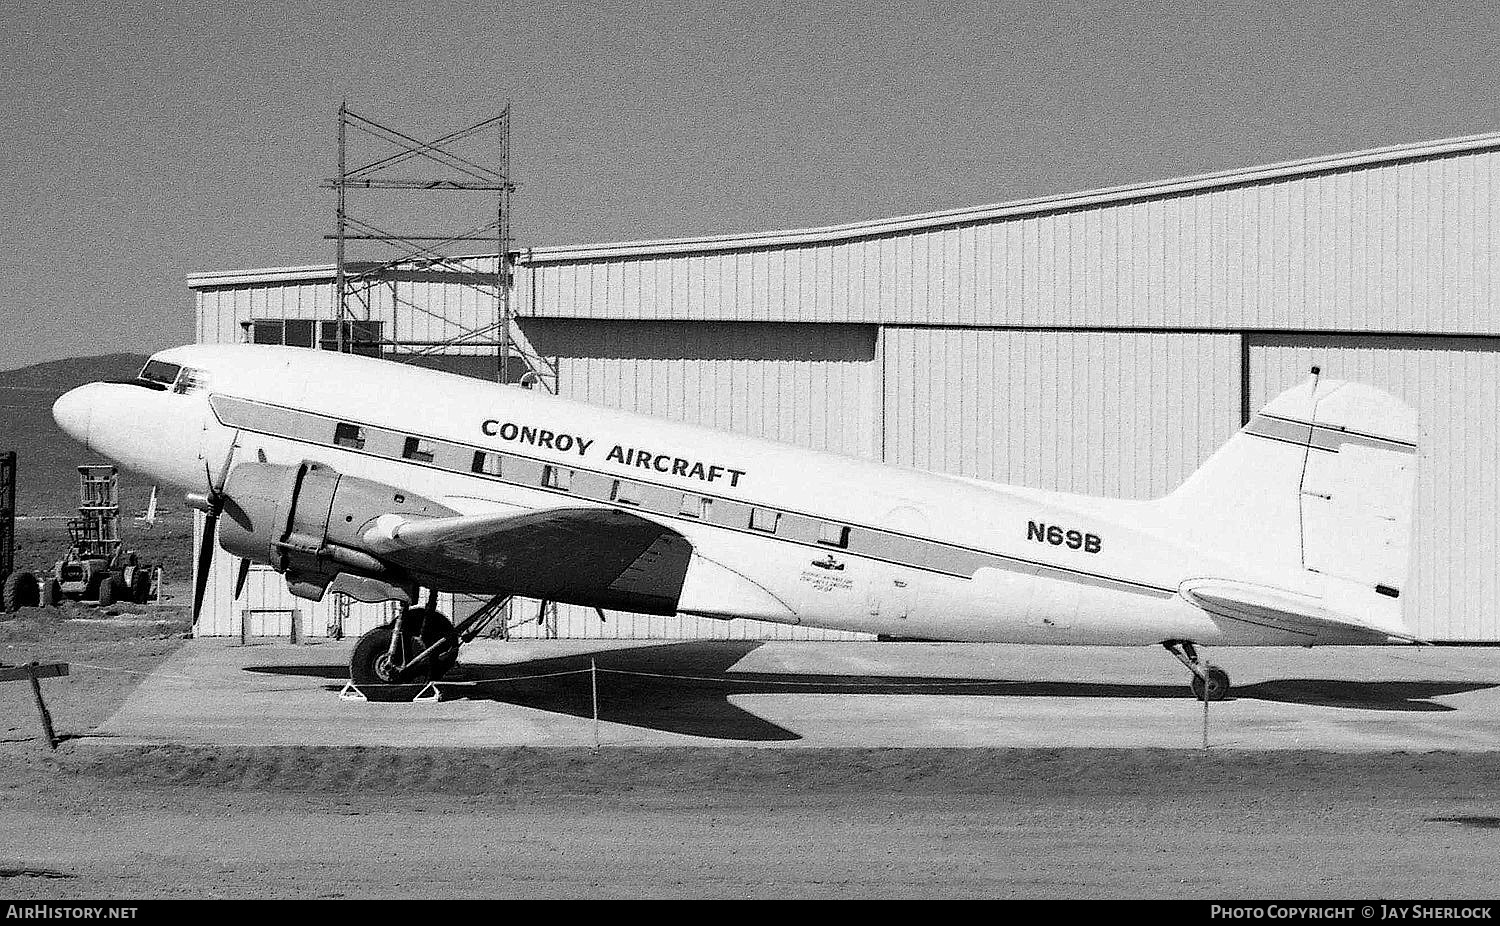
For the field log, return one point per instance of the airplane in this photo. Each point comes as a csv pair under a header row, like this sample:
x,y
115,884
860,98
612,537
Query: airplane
x,y
377,479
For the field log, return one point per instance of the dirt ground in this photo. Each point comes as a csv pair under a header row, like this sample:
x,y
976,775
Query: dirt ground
x,y
41,542
93,820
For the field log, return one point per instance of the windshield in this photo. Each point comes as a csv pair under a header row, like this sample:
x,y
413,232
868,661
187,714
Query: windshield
x,y
160,372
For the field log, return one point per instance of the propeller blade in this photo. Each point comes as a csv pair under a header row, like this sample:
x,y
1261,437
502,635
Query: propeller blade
x,y
217,488
215,504
239,579
204,562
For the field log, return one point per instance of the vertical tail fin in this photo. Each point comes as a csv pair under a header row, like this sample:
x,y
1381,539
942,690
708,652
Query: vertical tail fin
x,y
1322,479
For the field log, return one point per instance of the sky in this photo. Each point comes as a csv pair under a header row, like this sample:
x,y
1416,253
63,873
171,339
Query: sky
x,y
141,142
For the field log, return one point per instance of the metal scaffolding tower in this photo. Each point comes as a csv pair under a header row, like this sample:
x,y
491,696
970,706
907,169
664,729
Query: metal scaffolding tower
x,y
430,252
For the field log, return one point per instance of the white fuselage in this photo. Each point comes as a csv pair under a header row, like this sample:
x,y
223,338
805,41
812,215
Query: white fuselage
x,y
778,533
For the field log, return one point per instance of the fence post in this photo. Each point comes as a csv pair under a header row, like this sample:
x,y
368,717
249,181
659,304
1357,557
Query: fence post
x,y
594,684
41,706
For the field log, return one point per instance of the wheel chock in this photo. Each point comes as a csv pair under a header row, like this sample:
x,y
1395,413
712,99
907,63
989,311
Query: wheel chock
x,y
351,692
429,694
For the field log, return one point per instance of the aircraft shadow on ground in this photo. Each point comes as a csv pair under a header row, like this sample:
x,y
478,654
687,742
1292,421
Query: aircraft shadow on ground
x,y
686,688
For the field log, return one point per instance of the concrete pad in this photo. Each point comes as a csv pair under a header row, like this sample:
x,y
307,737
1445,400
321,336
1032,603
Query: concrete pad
x,y
808,694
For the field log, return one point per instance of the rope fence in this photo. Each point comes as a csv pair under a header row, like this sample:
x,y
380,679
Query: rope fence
x,y
601,670
432,691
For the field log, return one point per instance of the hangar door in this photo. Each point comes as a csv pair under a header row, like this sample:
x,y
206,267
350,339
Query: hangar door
x,y
1454,384
815,385
1121,414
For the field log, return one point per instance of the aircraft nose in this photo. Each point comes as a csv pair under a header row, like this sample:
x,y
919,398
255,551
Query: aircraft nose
x,y
74,410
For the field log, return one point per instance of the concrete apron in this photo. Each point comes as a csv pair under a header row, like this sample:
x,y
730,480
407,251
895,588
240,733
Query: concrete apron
x,y
817,694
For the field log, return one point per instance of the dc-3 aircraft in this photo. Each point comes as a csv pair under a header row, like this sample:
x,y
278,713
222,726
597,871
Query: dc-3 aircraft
x,y
378,480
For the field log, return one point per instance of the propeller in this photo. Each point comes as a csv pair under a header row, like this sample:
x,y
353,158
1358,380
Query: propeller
x,y
211,504
239,578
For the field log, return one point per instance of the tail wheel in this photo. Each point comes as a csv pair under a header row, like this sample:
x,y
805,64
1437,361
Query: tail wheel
x,y
19,591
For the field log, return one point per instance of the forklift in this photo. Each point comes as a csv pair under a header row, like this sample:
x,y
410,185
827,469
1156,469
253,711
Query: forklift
x,y
97,564
17,589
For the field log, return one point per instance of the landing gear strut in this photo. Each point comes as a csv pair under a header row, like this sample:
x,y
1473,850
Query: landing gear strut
x,y
1210,683
418,647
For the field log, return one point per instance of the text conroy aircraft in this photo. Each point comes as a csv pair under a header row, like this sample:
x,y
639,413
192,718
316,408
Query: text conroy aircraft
x,y
379,479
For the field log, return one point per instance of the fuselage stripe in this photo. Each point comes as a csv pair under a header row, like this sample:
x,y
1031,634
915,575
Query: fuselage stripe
x,y
596,486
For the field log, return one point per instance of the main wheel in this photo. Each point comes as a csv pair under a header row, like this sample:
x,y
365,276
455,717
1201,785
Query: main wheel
x,y
431,626
372,668
1215,689
52,594
20,591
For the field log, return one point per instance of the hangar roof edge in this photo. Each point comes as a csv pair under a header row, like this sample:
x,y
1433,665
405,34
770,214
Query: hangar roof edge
x,y
948,217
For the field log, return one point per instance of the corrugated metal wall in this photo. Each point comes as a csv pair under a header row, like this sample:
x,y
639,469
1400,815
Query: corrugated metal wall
x,y
1454,384
416,306
810,385
222,310
1122,414
1404,246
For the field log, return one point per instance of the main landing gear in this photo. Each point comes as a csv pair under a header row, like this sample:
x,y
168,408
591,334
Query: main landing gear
x,y
396,660
1210,683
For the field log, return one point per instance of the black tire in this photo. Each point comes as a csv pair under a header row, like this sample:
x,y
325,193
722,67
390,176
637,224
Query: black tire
x,y
20,591
369,666
431,626
107,591
52,594
1217,687
140,586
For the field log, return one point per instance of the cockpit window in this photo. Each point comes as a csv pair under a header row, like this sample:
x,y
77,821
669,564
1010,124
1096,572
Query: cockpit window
x,y
190,381
159,371
158,374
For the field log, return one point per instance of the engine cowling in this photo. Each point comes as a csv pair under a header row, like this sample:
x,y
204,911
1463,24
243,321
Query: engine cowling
x,y
306,522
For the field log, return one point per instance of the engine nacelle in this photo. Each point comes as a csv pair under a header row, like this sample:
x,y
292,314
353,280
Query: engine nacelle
x,y
307,521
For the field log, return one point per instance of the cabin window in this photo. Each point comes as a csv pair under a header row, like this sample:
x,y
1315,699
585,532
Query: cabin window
x,y
626,493
835,535
694,506
764,519
487,463
557,477
349,435
417,449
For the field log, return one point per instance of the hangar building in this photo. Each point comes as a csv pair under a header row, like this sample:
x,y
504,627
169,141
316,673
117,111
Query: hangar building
x,y
1104,342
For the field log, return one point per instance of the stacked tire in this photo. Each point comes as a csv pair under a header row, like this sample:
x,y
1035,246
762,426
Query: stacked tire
x,y
21,590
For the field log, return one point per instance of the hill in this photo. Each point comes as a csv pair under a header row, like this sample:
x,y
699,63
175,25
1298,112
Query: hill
x,y
47,459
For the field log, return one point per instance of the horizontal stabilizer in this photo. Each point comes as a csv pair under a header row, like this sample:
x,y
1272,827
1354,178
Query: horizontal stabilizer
x,y
1276,609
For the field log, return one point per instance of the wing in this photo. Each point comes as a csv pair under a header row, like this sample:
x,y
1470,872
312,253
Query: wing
x,y
599,557
1279,610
